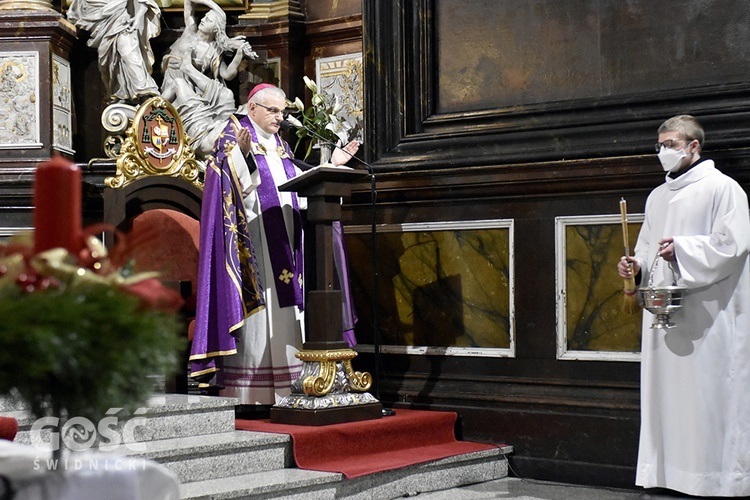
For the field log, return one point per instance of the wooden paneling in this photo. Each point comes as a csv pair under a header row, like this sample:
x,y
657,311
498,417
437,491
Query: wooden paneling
x,y
532,110
322,10
415,120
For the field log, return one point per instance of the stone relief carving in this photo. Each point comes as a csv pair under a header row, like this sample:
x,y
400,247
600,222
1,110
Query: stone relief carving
x,y
61,105
19,106
341,76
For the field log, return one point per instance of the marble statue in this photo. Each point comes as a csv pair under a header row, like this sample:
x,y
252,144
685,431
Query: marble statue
x,y
121,31
195,72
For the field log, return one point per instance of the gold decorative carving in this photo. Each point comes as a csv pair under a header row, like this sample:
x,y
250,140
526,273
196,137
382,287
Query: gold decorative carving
x,y
361,381
275,9
27,5
327,355
155,144
321,384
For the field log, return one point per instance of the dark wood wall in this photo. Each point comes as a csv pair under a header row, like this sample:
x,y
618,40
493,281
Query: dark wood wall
x,y
531,110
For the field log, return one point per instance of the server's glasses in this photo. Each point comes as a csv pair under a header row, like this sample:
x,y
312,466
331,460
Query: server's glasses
x,y
669,144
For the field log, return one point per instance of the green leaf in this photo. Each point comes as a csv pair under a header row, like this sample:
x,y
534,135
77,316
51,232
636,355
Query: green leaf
x,y
82,350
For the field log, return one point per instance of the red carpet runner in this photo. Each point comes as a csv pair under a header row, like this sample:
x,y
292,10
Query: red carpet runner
x,y
359,448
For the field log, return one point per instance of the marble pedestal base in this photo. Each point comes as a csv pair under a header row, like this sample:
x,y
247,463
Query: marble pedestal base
x,y
326,416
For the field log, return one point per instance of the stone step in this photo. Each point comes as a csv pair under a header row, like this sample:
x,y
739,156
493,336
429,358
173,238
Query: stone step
x,y
164,416
194,437
470,468
459,470
179,415
10,403
282,483
215,456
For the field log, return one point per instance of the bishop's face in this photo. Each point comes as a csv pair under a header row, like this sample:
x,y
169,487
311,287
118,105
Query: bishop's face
x,y
268,114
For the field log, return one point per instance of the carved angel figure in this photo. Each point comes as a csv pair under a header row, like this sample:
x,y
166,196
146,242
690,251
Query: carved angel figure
x,y
121,31
195,72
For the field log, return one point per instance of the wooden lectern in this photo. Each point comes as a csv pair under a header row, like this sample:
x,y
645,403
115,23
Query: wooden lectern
x,y
329,391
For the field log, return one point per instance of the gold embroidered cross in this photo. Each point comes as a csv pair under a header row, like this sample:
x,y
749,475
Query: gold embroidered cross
x,y
299,280
286,276
257,149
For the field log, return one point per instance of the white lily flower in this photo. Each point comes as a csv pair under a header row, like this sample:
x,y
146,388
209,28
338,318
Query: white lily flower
x,y
337,105
310,84
323,116
339,127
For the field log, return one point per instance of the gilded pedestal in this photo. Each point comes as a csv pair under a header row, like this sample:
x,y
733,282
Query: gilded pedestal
x,y
329,390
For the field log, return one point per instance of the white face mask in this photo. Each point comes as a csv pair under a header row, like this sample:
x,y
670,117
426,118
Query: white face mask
x,y
671,158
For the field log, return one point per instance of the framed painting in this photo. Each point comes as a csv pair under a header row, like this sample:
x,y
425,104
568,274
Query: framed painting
x,y
444,288
591,321
253,72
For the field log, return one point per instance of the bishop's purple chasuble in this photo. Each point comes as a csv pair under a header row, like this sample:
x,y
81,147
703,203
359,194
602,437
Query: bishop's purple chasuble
x,y
229,288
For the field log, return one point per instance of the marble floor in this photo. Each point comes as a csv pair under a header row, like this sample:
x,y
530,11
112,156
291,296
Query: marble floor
x,y
530,489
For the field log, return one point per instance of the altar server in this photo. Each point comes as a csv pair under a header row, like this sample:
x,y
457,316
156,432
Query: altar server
x,y
695,401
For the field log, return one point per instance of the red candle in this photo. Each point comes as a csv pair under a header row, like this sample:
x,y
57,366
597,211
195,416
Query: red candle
x,y
57,206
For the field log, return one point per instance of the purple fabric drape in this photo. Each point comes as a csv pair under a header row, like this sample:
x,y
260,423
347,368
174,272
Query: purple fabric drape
x,y
229,288
349,319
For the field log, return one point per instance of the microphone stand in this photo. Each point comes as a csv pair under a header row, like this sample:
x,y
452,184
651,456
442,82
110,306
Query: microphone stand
x,y
291,122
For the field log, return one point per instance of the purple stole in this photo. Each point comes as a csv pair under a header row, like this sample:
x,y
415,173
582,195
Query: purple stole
x,y
229,288
342,272
286,257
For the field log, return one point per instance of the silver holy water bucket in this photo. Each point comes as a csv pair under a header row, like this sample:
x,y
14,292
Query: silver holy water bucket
x,y
662,300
